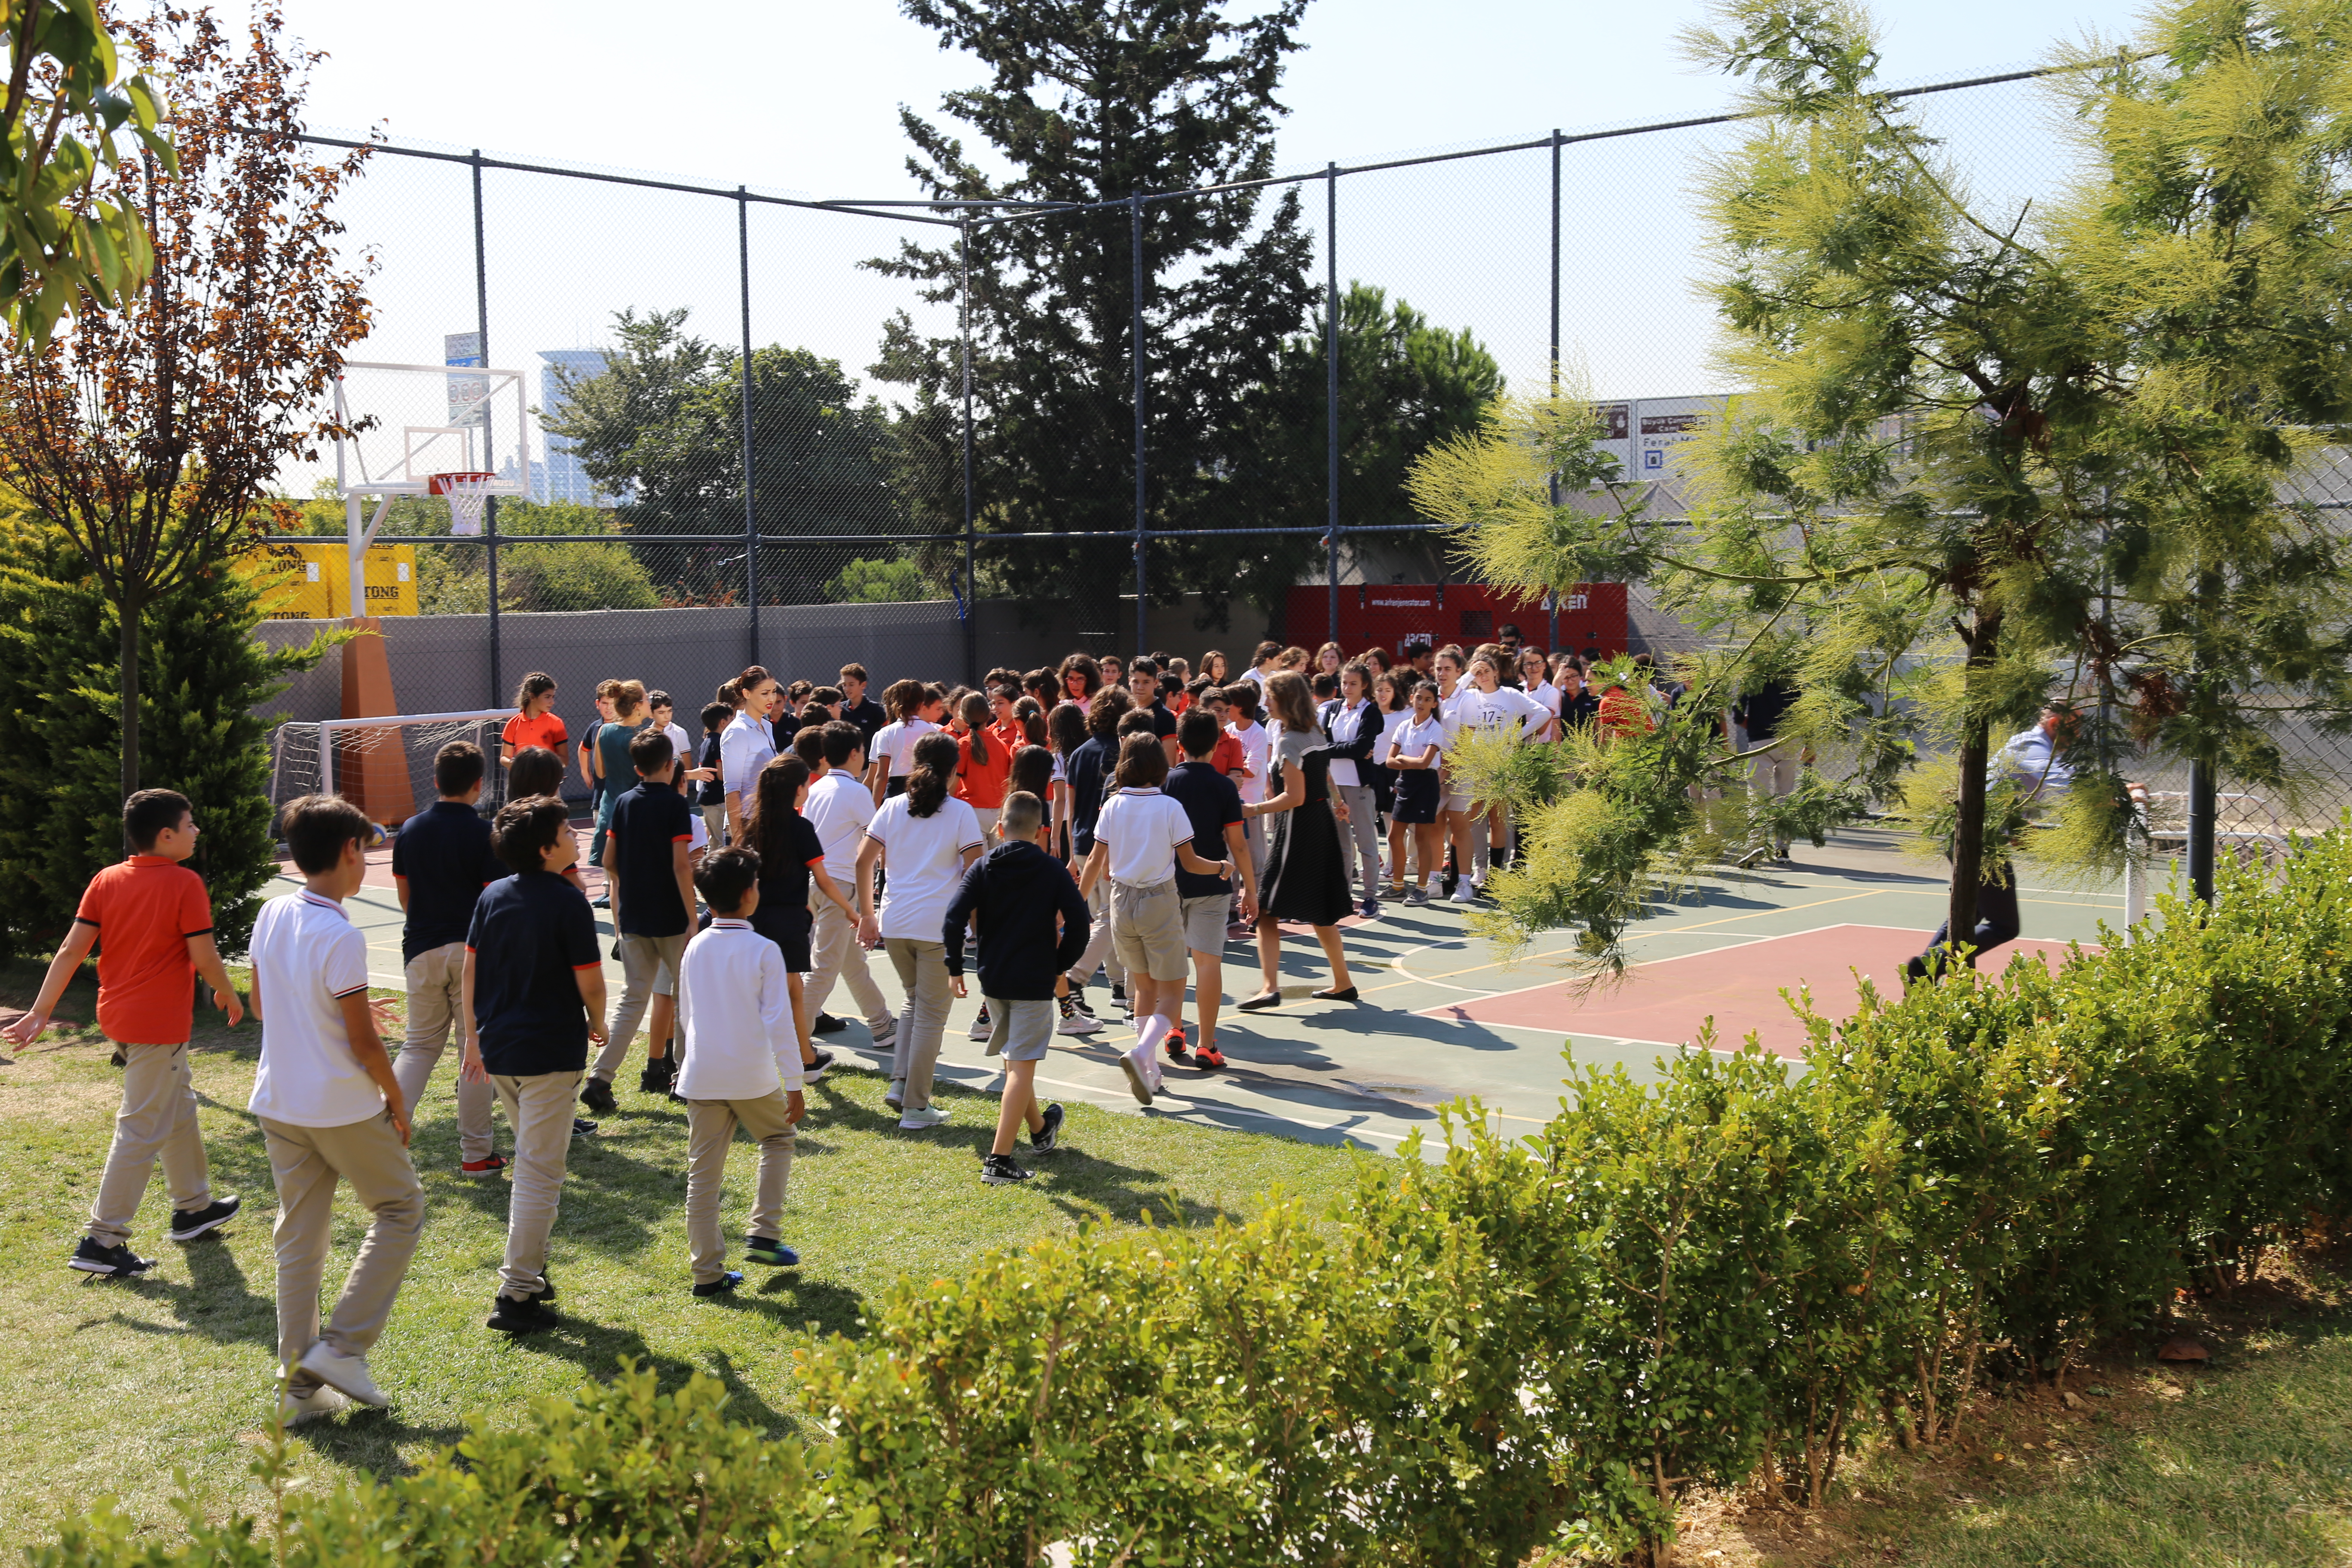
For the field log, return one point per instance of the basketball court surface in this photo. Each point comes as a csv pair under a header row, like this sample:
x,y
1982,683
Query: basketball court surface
x,y
1441,1017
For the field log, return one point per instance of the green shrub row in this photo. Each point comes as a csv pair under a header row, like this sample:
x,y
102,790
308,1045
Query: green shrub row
x,y
1726,1277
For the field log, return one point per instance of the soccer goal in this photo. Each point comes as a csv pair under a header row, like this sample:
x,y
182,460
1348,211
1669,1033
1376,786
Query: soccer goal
x,y
384,763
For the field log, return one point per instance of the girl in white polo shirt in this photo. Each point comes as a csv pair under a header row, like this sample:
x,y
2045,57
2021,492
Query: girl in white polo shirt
x,y
1141,839
924,838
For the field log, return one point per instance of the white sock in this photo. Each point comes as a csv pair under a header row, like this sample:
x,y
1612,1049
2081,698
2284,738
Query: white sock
x,y
1146,1044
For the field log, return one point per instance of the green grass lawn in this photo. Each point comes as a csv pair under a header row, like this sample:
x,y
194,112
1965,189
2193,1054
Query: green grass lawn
x,y
111,1388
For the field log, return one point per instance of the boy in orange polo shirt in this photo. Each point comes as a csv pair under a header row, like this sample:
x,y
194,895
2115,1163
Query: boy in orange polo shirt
x,y
155,919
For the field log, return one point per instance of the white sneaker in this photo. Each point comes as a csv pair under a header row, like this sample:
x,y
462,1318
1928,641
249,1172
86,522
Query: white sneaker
x,y
348,1373
1074,1022
316,1404
1465,893
895,1097
921,1120
981,1026
885,1035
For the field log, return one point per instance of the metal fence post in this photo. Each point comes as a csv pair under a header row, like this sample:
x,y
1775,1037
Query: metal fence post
x,y
491,507
971,606
1134,344
1552,639
1331,396
751,513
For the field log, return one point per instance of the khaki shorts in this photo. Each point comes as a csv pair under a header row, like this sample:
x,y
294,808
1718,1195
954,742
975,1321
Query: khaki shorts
x,y
1204,923
1147,930
1020,1031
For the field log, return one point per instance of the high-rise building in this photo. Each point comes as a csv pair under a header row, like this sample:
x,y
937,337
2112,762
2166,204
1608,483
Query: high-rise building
x,y
561,477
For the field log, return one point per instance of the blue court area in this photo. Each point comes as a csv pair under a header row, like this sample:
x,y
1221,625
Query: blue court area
x,y
1441,1016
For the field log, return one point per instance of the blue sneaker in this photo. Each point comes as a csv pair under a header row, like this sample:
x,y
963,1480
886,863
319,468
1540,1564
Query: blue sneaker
x,y
722,1286
767,1249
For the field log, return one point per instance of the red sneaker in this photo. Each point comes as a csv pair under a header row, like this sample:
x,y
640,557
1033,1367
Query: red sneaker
x,y
490,1166
1207,1057
1174,1045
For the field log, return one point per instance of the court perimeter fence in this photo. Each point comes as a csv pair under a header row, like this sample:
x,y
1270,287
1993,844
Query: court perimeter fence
x,y
798,431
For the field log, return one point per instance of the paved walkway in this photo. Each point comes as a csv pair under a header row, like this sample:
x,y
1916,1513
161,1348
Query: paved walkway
x,y
1439,1016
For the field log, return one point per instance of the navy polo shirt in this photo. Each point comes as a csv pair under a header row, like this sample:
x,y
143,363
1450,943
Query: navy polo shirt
x,y
532,935
443,853
648,822
1088,768
1211,800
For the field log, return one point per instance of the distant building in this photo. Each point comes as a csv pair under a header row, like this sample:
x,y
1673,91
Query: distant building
x,y
561,477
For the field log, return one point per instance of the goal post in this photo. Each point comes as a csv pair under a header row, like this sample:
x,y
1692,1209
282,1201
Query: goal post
x,y
304,752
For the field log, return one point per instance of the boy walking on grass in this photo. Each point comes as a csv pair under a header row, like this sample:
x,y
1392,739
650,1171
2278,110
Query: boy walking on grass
x,y
533,1000
440,864
742,1068
156,921
649,867
1018,893
330,1109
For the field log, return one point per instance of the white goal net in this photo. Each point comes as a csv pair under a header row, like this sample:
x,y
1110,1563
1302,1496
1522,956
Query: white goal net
x,y
385,764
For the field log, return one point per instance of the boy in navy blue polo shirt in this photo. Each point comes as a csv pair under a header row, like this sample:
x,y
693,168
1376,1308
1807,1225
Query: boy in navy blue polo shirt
x,y
1213,804
533,999
440,864
647,866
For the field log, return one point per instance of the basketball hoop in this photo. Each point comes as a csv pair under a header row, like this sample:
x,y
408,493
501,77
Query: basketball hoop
x,y
467,494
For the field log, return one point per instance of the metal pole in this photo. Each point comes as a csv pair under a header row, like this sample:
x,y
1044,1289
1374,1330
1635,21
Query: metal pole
x,y
2203,802
971,609
1134,344
1331,394
490,507
751,514
1551,640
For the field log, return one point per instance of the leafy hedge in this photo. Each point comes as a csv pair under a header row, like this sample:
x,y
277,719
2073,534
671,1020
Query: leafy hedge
x,y
1725,1277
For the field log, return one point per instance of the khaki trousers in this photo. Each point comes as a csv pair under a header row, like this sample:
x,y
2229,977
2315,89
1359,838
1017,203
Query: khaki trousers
x,y
158,1121
709,1128
1100,948
539,1107
306,1162
436,981
649,964
922,969
834,954
714,821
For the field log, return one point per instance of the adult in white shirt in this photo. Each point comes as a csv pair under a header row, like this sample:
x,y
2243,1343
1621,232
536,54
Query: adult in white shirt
x,y
1354,726
748,740
742,1068
839,807
330,1111
1141,839
924,838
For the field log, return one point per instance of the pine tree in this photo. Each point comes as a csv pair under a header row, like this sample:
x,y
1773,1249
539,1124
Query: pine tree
x,y
1093,103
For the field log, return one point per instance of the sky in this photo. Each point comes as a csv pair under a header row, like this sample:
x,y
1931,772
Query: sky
x,y
803,99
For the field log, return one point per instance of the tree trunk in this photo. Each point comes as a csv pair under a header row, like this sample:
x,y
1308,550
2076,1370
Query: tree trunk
x,y
130,610
1968,822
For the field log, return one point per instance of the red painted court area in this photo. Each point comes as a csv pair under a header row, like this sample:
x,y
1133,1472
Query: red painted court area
x,y
1666,1001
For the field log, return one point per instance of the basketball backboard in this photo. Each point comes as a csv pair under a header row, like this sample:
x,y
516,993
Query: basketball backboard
x,y
410,422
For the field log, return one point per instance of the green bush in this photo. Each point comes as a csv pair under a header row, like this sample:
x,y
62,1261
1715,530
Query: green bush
x,y
1723,1279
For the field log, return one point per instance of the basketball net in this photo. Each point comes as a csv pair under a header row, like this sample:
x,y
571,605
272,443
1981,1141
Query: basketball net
x,y
467,495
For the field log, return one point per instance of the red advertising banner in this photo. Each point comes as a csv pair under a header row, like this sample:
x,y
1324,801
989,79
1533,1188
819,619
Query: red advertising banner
x,y
1591,616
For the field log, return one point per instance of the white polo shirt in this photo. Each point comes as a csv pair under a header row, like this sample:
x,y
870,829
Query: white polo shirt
x,y
922,861
839,807
1141,829
307,957
1410,737
896,742
735,1007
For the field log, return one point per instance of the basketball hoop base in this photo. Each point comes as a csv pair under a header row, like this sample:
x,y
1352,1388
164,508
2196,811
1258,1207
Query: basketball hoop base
x,y
468,495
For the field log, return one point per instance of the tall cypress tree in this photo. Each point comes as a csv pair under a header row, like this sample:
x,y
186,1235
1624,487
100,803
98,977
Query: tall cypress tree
x,y
1095,103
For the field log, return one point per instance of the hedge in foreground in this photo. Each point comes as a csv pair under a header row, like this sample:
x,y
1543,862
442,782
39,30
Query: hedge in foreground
x,y
1726,1279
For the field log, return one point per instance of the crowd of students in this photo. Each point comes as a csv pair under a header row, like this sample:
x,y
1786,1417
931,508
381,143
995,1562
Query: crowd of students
x,y
1119,818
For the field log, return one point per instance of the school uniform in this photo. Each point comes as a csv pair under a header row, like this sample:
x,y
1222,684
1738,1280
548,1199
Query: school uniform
x,y
742,1059
1417,789
1354,731
443,857
1142,829
924,858
324,1122
839,807
1033,925
651,920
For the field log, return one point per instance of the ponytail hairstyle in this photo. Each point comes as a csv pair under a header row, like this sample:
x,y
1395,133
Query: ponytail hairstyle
x,y
628,697
903,698
731,692
537,683
775,801
1067,727
973,712
1032,770
743,686
936,755
1030,717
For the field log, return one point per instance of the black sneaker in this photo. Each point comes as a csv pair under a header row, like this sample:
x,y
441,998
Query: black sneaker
x,y
582,1127
1118,993
509,1316
814,1071
827,1024
597,1096
545,1294
1078,1000
205,1221
1048,1138
1001,1171
659,1073
92,1258
723,1286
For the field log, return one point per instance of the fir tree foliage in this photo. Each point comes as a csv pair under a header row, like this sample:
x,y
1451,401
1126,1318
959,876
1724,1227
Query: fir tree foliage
x,y
1093,103
1988,458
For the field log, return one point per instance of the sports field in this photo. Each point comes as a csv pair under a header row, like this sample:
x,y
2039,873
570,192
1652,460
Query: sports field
x,y
1440,1019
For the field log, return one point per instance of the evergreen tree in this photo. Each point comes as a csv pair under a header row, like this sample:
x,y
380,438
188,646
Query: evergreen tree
x,y
203,673
1095,103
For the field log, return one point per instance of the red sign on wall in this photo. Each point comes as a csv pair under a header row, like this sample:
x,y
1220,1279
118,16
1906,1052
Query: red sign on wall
x,y
1591,614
